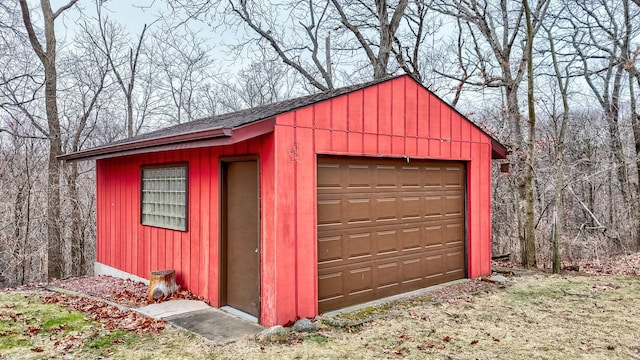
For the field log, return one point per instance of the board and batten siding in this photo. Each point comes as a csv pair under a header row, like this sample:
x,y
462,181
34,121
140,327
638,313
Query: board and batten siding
x,y
124,243
396,119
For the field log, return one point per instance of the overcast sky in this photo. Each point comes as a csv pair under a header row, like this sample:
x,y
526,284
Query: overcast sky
x,y
133,14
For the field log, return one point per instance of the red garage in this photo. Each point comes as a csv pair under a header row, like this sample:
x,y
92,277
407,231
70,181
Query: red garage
x,y
302,206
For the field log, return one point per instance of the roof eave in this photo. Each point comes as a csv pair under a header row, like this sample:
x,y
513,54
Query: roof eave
x,y
146,143
498,151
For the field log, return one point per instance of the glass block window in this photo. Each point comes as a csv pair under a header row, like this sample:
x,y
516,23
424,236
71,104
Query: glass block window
x,y
164,197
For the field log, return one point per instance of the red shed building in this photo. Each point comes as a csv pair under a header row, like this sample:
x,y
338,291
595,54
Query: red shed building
x,y
300,207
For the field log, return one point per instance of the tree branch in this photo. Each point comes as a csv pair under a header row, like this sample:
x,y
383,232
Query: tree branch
x,y
33,38
63,8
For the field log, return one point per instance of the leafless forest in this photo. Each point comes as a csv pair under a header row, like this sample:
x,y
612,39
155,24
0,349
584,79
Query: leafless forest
x,y
555,80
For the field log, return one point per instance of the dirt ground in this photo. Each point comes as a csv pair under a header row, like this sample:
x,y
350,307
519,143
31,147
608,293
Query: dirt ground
x,y
542,316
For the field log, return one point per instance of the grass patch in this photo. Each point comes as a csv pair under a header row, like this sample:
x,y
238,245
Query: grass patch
x,y
369,311
30,329
71,321
27,325
534,292
118,337
317,339
9,340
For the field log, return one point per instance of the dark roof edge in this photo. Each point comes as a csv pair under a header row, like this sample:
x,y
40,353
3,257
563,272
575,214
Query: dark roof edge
x,y
498,150
146,143
290,105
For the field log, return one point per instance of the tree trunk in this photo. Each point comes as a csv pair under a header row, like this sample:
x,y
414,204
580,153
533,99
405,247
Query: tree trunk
x,y
162,284
558,223
530,235
56,263
19,218
47,55
55,250
78,260
635,124
129,116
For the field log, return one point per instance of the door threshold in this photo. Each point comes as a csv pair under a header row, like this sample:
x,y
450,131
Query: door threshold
x,y
239,313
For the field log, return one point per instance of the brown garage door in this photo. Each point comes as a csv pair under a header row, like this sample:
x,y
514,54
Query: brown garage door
x,y
387,226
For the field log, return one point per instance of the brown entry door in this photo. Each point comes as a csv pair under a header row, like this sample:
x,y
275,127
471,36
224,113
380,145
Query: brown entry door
x,y
241,245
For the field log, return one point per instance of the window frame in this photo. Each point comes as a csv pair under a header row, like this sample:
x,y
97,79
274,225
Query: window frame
x,y
184,165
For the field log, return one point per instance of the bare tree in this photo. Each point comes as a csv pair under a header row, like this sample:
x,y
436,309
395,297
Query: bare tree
x,y
598,40
563,77
498,26
629,56
86,77
262,82
21,246
348,33
47,56
124,66
182,72
409,57
532,27
357,18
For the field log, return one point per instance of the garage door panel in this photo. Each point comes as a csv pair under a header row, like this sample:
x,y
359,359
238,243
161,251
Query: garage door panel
x,y
452,177
330,249
433,235
386,177
434,265
386,242
454,234
393,176
412,270
453,261
331,286
411,239
380,242
359,279
409,177
356,211
330,212
432,177
389,227
385,208
432,206
359,245
451,205
329,176
388,274
356,177
369,280
410,208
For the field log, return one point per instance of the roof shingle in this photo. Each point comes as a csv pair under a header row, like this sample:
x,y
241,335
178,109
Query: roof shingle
x,y
221,125
247,116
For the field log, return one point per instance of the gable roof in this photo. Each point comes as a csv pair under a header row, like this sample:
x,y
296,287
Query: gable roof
x,y
220,126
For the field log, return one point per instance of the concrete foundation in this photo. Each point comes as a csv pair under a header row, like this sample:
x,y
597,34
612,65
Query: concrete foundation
x,y
102,269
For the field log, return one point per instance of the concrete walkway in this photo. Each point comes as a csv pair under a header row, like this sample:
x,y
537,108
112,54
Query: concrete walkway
x,y
216,325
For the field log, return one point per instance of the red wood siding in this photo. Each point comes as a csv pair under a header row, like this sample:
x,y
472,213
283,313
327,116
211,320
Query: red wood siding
x,y
393,119
125,244
397,118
